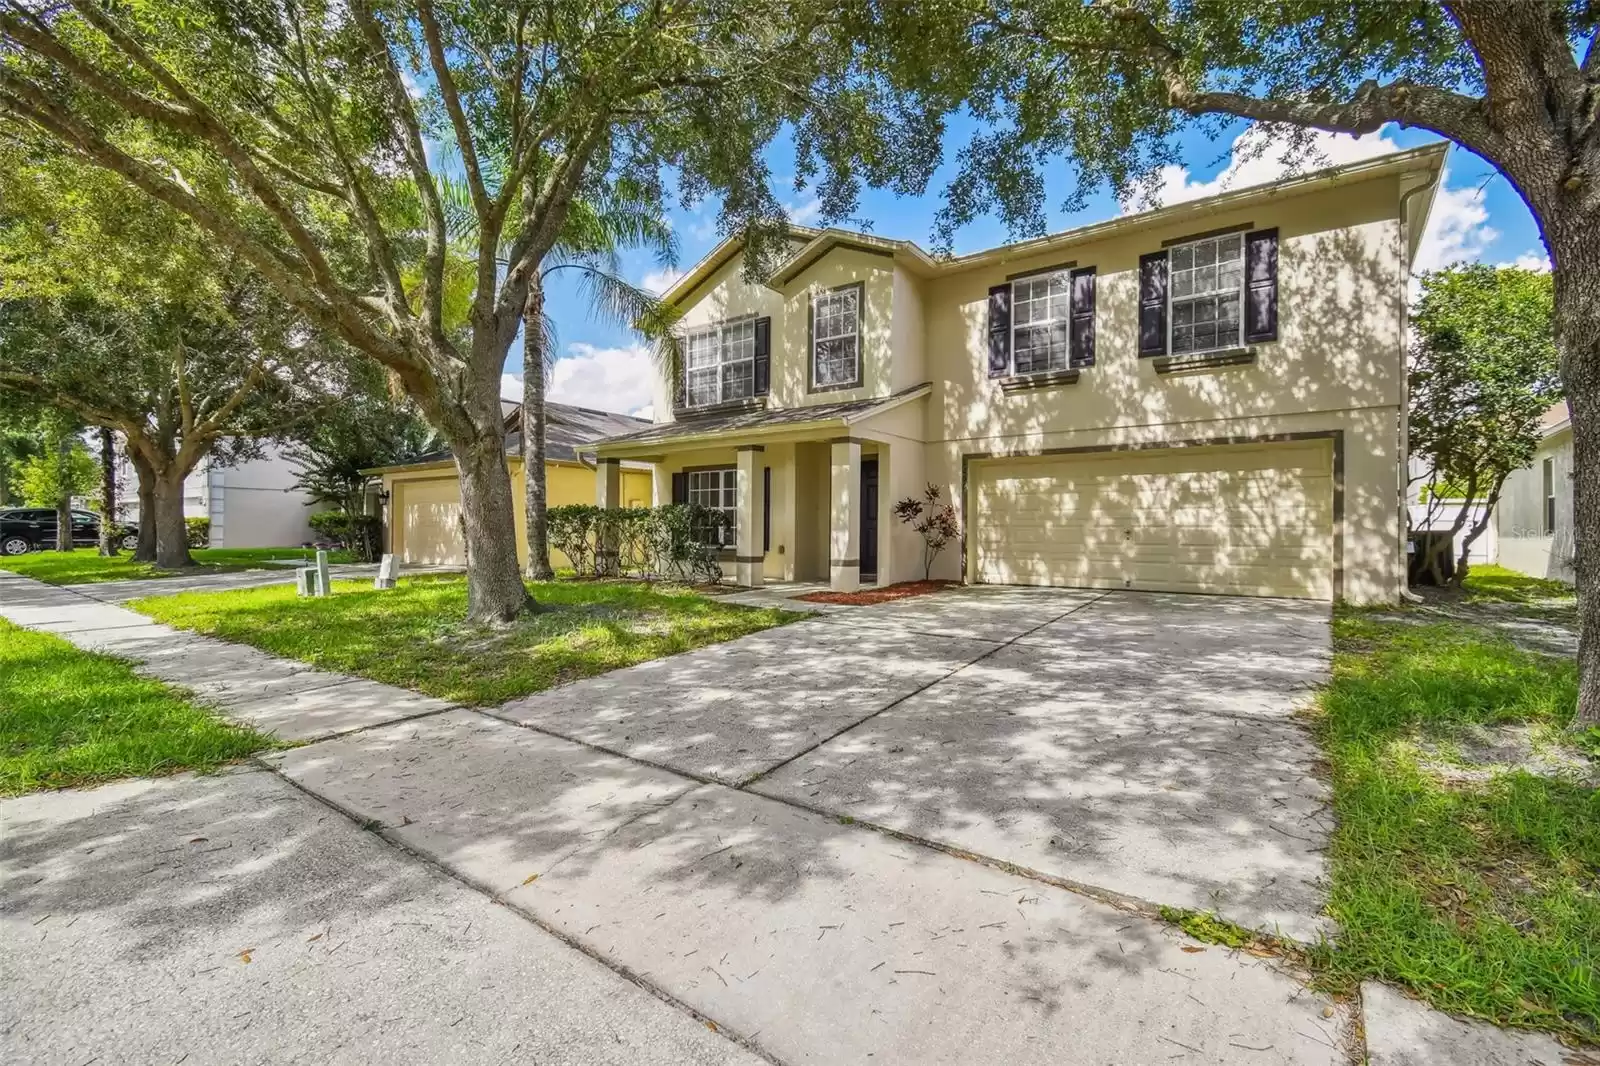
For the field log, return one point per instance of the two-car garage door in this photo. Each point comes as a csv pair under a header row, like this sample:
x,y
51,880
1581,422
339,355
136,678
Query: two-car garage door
x,y
1253,520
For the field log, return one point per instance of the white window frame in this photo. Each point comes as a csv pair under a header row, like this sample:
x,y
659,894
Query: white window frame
x,y
715,489
1065,320
1213,293
859,292
735,348
1547,478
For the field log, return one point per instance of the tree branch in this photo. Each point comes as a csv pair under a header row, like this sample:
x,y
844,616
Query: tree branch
x,y
452,106
417,161
205,125
27,101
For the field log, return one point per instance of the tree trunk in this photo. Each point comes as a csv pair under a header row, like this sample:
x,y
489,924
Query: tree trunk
x,y
146,551
534,482
63,492
109,545
495,592
1576,257
172,534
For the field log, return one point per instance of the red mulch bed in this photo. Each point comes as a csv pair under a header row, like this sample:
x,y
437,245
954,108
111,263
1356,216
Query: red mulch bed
x,y
867,597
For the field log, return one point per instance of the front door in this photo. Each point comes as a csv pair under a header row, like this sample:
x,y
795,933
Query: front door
x,y
869,520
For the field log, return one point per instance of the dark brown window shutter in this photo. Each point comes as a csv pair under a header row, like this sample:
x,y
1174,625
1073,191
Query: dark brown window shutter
x,y
766,508
763,356
1000,330
1153,304
680,488
1082,313
1261,286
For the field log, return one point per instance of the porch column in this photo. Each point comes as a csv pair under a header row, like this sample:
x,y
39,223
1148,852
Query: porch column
x,y
844,536
608,494
608,482
751,501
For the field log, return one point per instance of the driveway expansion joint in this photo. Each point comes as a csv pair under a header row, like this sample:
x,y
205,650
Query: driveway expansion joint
x,y
639,980
891,705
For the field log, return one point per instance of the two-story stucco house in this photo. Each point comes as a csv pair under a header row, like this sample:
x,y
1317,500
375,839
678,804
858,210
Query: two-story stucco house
x,y
1209,397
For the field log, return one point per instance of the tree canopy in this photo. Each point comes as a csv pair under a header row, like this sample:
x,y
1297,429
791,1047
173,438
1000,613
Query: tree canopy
x,y
1483,371
298,136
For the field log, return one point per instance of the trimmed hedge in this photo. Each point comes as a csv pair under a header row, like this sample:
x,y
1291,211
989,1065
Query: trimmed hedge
x,y
358,532
678,541
198,532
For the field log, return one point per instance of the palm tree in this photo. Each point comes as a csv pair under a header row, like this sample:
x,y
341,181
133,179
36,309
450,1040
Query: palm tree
x,y
599,227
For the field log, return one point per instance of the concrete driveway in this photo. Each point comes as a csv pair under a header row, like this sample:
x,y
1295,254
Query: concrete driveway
x,y
1139,744
706,822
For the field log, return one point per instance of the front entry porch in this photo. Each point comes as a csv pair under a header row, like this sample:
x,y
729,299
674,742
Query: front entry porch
x,y
800,511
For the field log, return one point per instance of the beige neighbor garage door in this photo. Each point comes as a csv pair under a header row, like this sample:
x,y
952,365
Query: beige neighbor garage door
x,y
1253,520
430,522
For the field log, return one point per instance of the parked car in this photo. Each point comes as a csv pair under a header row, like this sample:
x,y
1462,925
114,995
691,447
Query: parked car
x,y
26,529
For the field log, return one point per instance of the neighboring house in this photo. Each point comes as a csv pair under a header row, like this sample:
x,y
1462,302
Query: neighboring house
x,y
1441,515
1209,397
1535,512
423,515
254,504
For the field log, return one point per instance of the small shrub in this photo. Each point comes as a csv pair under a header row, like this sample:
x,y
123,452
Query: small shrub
x,y
360,533
678,541
571,531
199,532
933,520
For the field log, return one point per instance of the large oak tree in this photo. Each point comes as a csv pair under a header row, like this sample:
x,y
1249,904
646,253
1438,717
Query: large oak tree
x,y
277,125
1106,85
123,314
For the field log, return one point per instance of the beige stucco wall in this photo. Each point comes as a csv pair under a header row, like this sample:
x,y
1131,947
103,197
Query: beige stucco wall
x,y
908,363
1341,293
791,372
1519,520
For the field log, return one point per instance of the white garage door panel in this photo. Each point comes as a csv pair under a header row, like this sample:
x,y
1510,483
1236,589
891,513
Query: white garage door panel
x,y
1246,520
430,512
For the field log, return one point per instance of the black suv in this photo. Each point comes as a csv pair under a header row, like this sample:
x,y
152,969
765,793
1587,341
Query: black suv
x,y
26,529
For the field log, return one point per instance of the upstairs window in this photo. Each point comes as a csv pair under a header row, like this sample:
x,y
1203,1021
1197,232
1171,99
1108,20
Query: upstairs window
x,y
1040,313
719,363
1207,290
836,338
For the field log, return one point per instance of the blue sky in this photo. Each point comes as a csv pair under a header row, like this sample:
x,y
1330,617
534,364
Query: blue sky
x,y
1477,216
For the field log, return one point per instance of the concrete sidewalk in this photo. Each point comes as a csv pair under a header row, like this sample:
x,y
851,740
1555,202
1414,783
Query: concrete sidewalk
x,y
233,918
290,700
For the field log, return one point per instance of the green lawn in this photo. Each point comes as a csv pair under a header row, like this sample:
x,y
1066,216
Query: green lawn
x,y
75,718
1481,895
414,635
1496,584
83,566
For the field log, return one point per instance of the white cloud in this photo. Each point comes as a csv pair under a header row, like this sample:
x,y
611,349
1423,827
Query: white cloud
x,y
608,379
804,212
1532,259
659,281
1458,229
647,411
